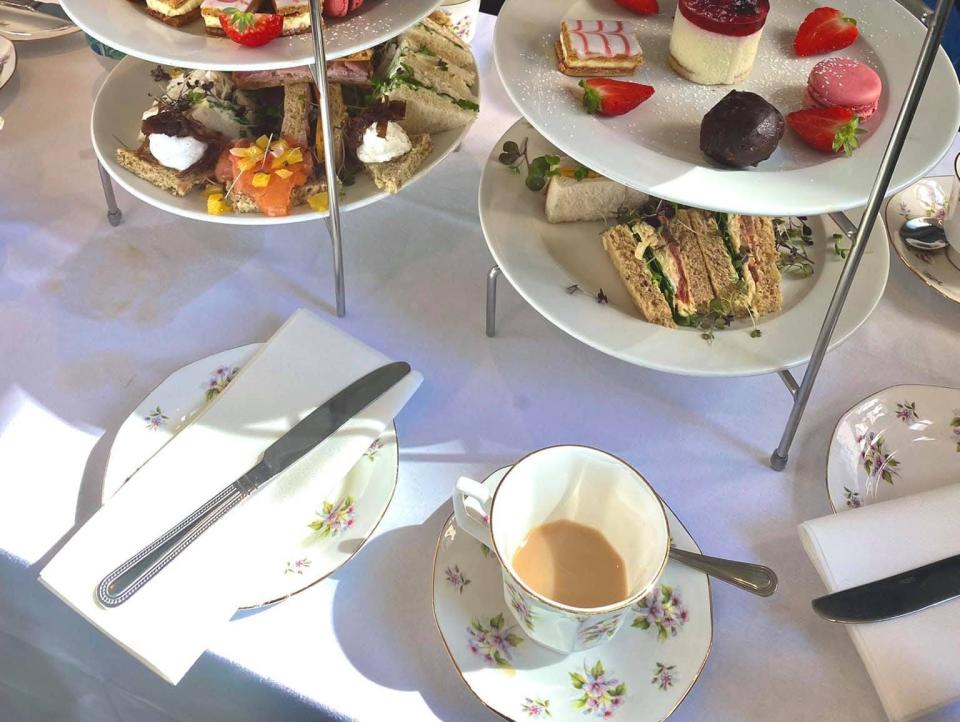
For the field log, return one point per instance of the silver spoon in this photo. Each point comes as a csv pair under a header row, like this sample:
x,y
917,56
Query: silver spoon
x,y
752,578
924,234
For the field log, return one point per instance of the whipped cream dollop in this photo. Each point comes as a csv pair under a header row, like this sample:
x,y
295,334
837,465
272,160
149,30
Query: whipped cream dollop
x,y
176,152
374,149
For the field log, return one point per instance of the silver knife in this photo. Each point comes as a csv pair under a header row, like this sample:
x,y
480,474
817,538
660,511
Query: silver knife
x,y
894,596
49,9
124,581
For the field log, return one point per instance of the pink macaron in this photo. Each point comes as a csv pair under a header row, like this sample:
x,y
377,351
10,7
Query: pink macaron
x,y
339,8
844,83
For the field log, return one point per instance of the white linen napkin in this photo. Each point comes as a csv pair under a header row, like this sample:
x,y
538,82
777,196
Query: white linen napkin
x,y
913,661
169,623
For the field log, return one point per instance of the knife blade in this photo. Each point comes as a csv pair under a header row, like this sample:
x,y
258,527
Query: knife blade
x,y
128,578
52,10
895,596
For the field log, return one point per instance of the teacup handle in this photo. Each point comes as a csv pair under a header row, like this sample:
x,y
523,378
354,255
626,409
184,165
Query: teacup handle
x,y
471,507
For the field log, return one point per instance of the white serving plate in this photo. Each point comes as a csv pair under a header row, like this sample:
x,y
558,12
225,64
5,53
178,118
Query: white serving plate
x,y
8,60
116,119
646,670
541,260
928,198
127,27
898,441
26,25
656,146
299,556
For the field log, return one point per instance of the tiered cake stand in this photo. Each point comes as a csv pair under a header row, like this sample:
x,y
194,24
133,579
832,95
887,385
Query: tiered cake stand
x,y
126,27
655,149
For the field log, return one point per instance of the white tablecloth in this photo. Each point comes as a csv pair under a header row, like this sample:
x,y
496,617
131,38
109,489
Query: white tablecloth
x,y
93,317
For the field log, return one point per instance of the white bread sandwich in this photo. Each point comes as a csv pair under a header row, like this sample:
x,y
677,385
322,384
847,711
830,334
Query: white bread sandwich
x,y
578,194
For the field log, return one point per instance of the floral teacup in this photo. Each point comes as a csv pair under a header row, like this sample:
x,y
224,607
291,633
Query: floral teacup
x,y
951,224
579,484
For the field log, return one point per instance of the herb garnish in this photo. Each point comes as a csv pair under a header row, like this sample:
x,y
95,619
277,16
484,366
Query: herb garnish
x,y
599,296
793,236
538,169
837,239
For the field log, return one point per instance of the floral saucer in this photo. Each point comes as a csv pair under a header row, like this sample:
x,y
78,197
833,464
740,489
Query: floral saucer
x,y
897,442
307,545
927,198
641,675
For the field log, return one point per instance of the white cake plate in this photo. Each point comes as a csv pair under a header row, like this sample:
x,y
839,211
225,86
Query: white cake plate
x,y
543,260
300,555
126,26
116,120
898,441
656,146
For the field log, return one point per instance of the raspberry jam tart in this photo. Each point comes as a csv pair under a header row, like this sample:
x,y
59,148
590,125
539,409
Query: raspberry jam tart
x,y
714,42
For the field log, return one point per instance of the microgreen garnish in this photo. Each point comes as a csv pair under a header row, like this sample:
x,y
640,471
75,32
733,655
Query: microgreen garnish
x,y
793,236
160,74
599,296
538,170
654,213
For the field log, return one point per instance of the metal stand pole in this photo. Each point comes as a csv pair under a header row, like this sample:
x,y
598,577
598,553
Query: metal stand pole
x,y
114,214
861,233
319,70
492,301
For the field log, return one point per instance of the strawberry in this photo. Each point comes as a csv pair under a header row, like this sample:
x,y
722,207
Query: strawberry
x,y
607,96
250,29
640,7
830,130
823,31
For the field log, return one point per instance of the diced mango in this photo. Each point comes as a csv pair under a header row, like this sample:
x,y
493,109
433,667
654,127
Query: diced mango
x,y
212,188
260,180
283,173
216,204
262,142
319,202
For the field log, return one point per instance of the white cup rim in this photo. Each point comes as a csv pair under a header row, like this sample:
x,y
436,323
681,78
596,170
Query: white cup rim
x,y
607,608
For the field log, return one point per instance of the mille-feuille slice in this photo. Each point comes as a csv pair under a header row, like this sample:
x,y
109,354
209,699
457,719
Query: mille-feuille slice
x,y
212,10
590,48
174,12
295,14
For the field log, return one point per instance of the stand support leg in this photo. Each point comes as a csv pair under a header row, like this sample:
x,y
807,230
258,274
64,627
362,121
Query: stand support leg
x,y
319,70
931,43
114,214
492,276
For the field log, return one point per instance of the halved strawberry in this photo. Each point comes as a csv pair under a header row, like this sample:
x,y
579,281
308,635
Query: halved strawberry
x,y
250,29
640,7
830,130
823,31
607,96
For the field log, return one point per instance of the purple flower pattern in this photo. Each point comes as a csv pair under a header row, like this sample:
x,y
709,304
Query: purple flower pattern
x,y
297,567
520,606
155,419
875,460
907,411
663,610
371,453
493,642
219,380
664,676
604,629
601,694
536,708
854,501
335,517
456,578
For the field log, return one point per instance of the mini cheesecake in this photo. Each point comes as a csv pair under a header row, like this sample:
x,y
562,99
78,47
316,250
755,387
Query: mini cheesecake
x,y
174,12
590,48
714,42
296,15
211,10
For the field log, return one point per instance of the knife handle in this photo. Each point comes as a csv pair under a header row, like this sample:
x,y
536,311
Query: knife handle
x,y
753,578
128,578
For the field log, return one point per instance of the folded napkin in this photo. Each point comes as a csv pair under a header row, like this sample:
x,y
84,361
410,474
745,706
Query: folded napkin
x,y
913,661
171,621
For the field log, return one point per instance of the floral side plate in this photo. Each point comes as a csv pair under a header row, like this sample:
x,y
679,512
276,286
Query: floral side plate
x,y
897,442
308,544
924,199
641,675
